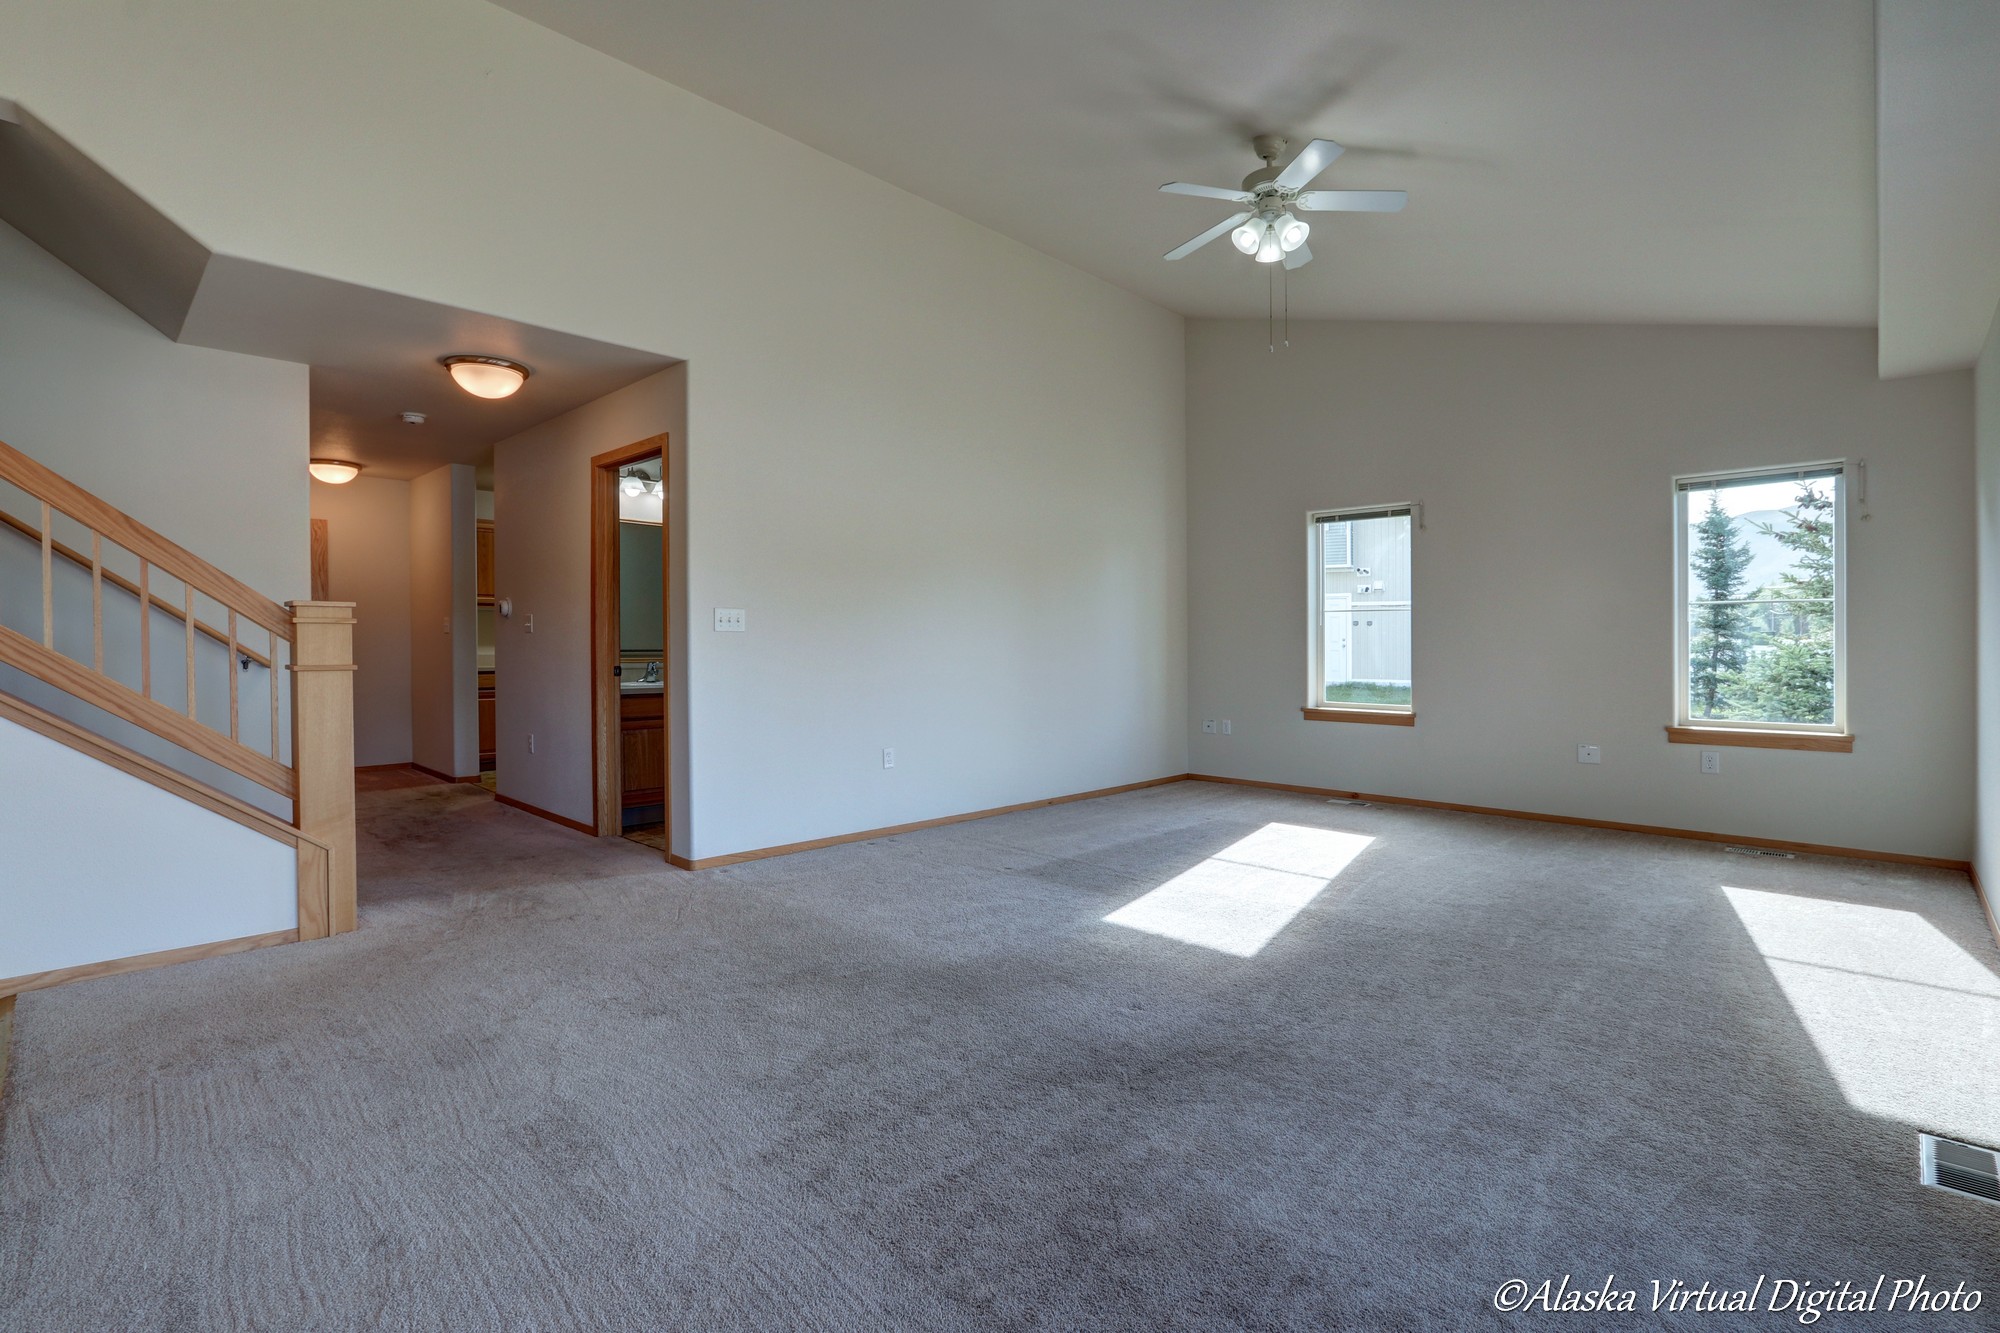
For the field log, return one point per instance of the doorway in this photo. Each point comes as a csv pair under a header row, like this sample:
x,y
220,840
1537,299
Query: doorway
x,y
630,623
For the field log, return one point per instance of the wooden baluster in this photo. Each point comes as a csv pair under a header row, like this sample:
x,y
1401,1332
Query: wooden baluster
x,y
235,669
97,602
187,605
271,657
146,628
48,581
323,757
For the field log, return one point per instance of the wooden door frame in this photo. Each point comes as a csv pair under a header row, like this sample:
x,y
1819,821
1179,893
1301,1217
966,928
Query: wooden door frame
x,y
607,798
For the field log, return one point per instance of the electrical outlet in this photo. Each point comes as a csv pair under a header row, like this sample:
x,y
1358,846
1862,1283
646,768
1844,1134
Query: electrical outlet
x,y
888,756
1589,754
1225,726
531,742
1711,761
729,619
1208,725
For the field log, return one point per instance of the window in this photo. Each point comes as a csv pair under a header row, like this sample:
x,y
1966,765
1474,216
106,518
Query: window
x,y
1759,565
1361,613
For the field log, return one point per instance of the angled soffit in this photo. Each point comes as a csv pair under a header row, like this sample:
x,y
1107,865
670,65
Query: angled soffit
x,y
373,354
1937,180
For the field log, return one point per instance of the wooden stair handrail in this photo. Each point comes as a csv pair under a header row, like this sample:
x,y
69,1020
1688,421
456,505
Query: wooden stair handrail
x,y
142,541
123,584
120,700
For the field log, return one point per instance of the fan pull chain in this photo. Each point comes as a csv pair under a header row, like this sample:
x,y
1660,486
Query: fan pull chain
x,y
1270,309
1288,307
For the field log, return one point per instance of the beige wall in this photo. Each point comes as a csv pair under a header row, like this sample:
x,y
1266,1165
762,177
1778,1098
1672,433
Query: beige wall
x,y
541,533
1987,498
368,541
207,447
1544,577
444,633
974,451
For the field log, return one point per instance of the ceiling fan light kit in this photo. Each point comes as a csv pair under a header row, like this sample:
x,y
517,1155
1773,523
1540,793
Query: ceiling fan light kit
x,y
1267,229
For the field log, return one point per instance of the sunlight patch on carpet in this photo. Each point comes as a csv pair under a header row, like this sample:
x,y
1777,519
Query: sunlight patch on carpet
x,y
1236,901
1905,1020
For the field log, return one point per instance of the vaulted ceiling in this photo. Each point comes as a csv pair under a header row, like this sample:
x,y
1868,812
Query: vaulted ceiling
x,y
1614,160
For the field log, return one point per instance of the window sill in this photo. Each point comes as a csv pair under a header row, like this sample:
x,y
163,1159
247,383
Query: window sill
x,y
1381,717
1826,742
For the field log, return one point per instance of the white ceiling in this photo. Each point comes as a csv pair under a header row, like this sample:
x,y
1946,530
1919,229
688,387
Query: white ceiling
x,y
1939,73
1604,160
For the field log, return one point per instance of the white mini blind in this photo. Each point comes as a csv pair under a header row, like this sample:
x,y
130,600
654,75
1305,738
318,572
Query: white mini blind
x,y
1336,544
1810,473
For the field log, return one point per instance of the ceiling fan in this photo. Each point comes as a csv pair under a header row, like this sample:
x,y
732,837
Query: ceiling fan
x,y
1266,228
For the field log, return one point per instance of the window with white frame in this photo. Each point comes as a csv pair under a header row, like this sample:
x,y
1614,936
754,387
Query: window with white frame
x,y
1760,572
1361,604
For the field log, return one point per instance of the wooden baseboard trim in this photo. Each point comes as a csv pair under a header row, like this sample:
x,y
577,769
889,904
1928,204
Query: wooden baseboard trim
x,y
814,844
140,962
6,1043
1985,903
549,815
472,781
1658,830
383,768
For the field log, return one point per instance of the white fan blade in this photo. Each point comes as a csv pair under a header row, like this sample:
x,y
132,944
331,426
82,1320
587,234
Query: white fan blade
x,y
1353,201
1314,158
1206,192
1299,258
1226,225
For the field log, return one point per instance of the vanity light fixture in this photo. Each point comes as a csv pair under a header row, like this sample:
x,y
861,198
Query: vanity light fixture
x,y
486,376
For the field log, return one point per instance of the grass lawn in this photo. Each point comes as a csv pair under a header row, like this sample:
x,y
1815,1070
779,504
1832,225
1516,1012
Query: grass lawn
x,y
1367,692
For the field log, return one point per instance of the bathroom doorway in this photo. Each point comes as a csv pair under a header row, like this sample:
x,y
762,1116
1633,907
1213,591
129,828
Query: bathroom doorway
x,y
629,642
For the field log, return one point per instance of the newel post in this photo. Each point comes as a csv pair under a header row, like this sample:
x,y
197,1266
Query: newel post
x,y
323,758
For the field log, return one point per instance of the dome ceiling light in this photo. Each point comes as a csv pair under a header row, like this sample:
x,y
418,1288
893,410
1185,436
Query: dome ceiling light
x,y
486,376
333,471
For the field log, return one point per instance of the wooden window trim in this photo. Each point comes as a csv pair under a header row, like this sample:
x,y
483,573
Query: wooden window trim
x,y
1826,742
1381,717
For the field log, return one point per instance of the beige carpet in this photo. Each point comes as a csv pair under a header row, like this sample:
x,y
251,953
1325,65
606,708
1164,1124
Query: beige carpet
x,y
1192,1057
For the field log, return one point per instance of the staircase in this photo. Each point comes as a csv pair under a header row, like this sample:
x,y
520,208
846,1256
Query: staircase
x,y
176,749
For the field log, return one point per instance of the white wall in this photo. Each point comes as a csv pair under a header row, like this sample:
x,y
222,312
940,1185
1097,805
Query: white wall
x,y
209,448
444,630
1544,578
1986,496
974,452
84,889
368,563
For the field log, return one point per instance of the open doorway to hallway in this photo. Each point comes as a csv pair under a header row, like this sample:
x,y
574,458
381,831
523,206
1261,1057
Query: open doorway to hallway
x,y
628,641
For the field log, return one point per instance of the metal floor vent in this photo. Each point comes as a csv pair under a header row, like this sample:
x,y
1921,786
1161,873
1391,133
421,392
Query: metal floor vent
x,y
1962,1168
1342,801
1761,851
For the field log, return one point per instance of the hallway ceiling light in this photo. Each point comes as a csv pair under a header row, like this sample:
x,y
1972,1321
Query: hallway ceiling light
x,y
486,376
333,471
634,484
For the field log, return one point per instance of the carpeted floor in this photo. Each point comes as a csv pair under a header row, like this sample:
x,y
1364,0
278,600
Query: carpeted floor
x,y
923,1083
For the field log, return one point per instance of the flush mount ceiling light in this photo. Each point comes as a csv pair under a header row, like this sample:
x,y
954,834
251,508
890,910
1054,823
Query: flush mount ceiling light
x,y
486,376
333,471
634,484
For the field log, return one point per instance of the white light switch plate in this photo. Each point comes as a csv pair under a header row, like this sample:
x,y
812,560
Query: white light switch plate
x,y
729,619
